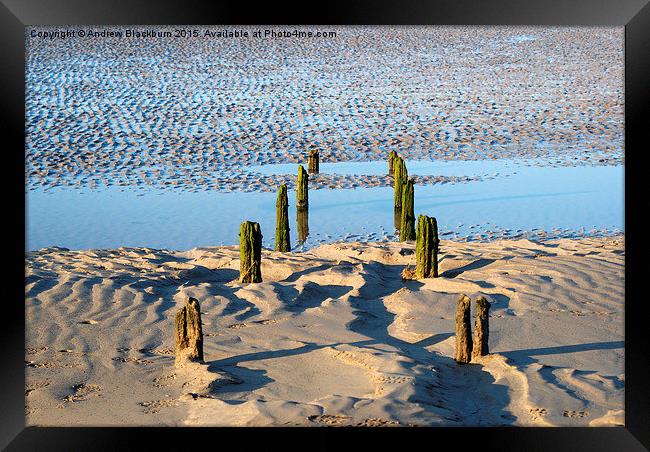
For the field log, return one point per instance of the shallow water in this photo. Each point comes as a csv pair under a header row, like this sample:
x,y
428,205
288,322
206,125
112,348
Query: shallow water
x,y
563,201
415,167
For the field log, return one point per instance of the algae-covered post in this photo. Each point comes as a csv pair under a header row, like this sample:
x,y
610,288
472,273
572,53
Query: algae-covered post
x,y
463,330
189,336
391,158
302,194
426,248
250,252
401,176
282,241
407,217
481,328
399,179
313,166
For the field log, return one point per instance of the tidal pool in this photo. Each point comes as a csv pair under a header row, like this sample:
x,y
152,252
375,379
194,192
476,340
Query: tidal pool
x,y
522,201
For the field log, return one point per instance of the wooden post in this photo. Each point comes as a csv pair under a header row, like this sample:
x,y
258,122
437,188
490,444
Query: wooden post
x,y
436,246
282,241
189,336
407,219
426,248
481,328
250,252
463,330
302,193
391,157
314,163
401,176
302,218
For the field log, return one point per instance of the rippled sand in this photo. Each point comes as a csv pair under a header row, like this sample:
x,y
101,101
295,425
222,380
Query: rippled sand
x,y
186,113
332,336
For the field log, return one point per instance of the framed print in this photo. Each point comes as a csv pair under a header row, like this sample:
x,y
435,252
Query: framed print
x,y
386,218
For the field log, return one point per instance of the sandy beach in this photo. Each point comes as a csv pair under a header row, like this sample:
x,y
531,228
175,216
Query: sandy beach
x,y
145,154
332,336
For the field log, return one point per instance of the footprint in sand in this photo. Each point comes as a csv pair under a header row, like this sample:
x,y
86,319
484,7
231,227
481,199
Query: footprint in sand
x,y
132,360
575,414
49,365
33,386
165,380
390,379
538,413
377,422
81,392
157,351
156,405
329,419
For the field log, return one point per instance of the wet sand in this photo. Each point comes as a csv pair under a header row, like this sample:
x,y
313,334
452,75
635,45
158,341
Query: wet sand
x,y
187,113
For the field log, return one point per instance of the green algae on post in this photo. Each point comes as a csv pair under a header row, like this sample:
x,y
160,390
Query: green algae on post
x,y
189,336
302,193
407,217
401,176
391,158
282,241
426,248
250,252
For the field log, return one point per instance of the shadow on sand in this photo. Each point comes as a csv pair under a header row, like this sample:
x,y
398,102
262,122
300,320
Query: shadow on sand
x,y
451,394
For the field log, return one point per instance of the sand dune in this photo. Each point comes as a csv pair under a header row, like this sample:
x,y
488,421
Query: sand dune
x,y
332,336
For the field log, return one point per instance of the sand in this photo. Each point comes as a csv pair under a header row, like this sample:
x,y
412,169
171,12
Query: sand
x,y
185,114
333,336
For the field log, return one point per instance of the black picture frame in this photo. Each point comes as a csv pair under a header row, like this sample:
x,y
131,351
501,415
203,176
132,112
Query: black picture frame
x,y
16,14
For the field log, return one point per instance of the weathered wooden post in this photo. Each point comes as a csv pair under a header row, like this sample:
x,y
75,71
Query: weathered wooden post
x,y
302,194
400,177
314,163
463,330
189,336
391,157
302,218
282,241
436,246
407,218
250,252
426,248
481,328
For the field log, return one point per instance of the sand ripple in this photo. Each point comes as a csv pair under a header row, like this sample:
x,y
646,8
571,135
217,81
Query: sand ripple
x,y
333,336
183,113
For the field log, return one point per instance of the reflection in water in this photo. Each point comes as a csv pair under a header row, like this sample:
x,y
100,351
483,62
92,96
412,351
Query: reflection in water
x,y
565,201
302,218
397,218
